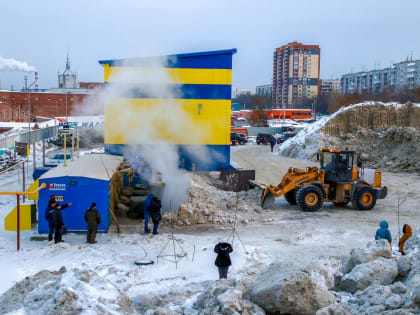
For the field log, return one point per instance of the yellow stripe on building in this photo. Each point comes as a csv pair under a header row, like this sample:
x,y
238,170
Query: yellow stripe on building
x,y
147,121
173,75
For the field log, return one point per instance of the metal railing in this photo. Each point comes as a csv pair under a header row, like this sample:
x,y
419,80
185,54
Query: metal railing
x,y
29,137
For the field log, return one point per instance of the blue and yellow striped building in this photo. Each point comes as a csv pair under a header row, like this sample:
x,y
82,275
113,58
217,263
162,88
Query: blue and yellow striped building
x,y
202,82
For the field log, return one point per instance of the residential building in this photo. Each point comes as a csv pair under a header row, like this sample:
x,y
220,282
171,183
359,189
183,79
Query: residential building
x,y
266,89
296,70
236,92
330,85
405,74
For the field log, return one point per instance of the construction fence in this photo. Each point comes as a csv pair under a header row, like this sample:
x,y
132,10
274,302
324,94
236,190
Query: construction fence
x,y
29,137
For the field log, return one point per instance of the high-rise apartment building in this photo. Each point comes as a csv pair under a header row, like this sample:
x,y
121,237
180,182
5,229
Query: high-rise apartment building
x,y
295,74
405,74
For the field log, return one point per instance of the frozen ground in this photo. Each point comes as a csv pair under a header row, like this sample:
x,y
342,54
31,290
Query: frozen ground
x,y
283,234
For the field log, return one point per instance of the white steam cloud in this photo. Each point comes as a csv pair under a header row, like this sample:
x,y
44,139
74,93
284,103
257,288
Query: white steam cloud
x,y
13,64
152,125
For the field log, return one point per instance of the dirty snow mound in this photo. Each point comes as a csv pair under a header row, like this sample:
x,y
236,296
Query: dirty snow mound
x,y
388,133
210,205
65,292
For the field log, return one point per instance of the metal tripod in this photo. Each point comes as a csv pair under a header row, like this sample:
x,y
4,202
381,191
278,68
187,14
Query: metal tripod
x,y
176,256
234,233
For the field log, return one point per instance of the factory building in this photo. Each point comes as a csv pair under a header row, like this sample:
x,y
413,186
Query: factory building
x,y
202,83
41,104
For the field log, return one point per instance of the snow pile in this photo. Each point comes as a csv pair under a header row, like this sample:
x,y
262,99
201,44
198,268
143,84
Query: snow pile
x,y
209,205
103,278
305,144
64,292
377,281
388,134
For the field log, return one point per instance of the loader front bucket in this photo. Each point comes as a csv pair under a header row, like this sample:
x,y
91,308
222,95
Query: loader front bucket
x,y
267,199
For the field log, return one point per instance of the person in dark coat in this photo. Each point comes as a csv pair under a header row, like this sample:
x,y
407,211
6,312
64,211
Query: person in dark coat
x,y
154,210
223,249
52,206
93,219
147,213
57,220
383,232
272,143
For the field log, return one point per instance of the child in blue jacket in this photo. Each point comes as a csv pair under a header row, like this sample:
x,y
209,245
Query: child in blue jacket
x,y
383,232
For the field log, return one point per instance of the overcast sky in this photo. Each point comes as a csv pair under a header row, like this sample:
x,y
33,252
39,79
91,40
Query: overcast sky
x,y
352,34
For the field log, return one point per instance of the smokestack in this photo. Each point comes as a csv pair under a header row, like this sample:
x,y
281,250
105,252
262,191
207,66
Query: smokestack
x,y
36,80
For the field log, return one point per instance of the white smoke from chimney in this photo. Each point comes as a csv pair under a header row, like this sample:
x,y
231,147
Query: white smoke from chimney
x,y
13,64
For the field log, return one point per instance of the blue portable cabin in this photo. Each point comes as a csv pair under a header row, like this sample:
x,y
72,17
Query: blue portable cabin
x,y
81,182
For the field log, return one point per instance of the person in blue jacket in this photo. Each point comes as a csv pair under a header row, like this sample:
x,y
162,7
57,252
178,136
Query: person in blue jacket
x,y
272,143
383,232
146,213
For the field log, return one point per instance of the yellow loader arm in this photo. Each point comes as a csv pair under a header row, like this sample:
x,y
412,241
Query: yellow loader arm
x,y
290,181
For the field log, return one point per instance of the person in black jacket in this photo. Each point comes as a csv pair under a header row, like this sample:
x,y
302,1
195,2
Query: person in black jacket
x,y
223,249
57,220
52,206
93,219
154,210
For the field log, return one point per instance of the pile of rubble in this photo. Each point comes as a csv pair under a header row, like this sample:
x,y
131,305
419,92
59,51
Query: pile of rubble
x,y
387,134
64,292
209,205
368,281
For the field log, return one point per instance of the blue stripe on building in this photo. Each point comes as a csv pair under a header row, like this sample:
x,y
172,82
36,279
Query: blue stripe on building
x,y
310,81
185,91
313,51
219,59
313,81
205,157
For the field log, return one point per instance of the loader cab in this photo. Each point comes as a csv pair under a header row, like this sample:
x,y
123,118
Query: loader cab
x,y
338,165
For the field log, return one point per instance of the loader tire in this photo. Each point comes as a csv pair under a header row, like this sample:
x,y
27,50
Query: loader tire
x,y
364,198
291,197
310,198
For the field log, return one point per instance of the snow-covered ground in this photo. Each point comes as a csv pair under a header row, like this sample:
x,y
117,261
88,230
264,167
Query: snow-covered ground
x,y
281,234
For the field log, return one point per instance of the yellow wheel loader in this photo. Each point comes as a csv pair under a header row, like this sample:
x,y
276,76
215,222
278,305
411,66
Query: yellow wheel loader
x,y
335,181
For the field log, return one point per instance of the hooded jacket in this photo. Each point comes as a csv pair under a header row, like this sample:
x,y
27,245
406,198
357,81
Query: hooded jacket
x,y
407,234
223,250
147,203
383,232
